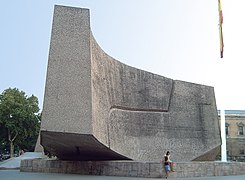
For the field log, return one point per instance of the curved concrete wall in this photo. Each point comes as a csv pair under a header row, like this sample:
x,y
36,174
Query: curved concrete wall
x,y
96,107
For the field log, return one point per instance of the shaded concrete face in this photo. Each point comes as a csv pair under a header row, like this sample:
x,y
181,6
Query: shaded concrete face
x,y
96,106
71,146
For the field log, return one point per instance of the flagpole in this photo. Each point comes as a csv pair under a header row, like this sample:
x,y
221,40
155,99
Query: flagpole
x,y
222,111
223,136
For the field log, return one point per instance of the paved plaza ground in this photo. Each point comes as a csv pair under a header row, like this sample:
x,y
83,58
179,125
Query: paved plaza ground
x,y
15,162
17,175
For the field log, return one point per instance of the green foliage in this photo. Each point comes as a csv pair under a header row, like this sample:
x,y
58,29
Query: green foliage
x,y
19,121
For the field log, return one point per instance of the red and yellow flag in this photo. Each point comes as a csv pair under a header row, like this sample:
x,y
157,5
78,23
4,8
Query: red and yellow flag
x,y
220,29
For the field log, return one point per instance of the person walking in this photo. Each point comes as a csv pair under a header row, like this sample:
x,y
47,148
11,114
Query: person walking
x,y
166,166
171,163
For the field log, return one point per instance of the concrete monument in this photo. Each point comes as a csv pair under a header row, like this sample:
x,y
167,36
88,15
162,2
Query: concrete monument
x,y
97,108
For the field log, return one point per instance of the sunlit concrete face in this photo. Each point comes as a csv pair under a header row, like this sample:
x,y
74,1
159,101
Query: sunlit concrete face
x,y
97,108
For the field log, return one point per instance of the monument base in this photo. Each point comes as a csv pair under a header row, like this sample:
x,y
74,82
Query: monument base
x,y
133,168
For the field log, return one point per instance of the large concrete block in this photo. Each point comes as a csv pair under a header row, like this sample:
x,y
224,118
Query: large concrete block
x,y
97,108
134,168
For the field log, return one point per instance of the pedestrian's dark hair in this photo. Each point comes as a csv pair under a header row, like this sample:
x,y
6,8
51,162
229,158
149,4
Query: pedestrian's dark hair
x,y
167,153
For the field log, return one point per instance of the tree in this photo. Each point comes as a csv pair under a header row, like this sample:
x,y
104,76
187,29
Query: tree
x,y
18,119
31,140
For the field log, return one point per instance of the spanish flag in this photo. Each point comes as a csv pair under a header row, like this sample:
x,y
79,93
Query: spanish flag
x,y
220,29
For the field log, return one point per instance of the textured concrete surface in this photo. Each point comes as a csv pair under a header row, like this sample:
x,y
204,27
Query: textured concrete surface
x,y
134,169
14,174
97,108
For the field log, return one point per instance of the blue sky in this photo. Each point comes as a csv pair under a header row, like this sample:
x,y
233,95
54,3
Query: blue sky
x,y
178,39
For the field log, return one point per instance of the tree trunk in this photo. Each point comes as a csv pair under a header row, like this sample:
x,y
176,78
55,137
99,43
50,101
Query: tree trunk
x,y
11,149
11,143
